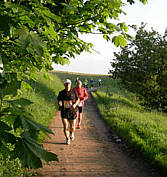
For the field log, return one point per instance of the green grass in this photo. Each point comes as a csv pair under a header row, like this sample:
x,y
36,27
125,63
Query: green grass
x,y
44,97
12,168
146,131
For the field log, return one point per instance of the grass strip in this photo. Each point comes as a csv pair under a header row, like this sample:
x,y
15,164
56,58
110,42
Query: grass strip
x,y
145,130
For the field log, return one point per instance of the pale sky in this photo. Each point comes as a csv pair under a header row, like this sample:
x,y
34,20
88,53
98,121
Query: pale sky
x,y
154,13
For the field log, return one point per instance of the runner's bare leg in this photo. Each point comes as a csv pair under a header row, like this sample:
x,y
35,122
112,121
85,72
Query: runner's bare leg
x,y
72,125
66,128
79,119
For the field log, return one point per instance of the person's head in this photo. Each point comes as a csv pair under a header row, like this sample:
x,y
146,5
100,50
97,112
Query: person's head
x,y
79,83
67,84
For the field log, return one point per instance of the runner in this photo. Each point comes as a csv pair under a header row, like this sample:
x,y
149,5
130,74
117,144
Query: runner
x,y
76,80
92,83
99,82
67,102
83,95
86,83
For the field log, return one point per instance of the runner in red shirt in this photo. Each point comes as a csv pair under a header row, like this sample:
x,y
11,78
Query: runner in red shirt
x,y
83,95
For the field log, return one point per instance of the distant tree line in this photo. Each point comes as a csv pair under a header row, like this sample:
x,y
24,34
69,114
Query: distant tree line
x,y
142,67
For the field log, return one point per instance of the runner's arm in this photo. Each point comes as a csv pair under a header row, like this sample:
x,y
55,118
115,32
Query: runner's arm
x,y
60,104
77,100
85,94
76,103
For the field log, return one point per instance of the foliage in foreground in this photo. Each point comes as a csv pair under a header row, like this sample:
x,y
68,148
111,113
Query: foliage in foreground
x,y
144,130
43,96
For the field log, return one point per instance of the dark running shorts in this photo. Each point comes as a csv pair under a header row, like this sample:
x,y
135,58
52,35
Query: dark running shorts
x,y
68,114
80,109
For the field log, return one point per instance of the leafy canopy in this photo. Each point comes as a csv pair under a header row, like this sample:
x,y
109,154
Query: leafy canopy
x,y
40,32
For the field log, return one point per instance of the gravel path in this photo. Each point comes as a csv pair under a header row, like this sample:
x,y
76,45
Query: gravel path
x,y
93,153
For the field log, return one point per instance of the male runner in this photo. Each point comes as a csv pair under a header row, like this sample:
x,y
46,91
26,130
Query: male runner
x,y
99,82
83,95
67,101
92,83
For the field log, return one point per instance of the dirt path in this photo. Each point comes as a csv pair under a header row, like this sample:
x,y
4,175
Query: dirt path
x,y
93,153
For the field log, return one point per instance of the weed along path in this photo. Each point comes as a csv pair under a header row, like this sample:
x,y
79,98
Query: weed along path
x,y
93,153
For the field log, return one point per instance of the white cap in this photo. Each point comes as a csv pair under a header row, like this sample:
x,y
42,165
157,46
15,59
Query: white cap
x,y
67,81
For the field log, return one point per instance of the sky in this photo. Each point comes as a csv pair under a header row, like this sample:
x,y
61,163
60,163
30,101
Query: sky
x,y
154,13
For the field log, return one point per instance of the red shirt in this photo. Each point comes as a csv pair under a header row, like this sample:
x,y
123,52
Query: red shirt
x,y
82,94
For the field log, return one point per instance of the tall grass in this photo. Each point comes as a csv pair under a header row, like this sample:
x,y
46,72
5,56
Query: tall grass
x,y
146,131
44,97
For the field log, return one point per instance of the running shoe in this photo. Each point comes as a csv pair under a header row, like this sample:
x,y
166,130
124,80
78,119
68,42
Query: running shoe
x,y
68,141
72,137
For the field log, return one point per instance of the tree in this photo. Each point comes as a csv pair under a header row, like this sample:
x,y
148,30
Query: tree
x,y
35,30
141,66
35,33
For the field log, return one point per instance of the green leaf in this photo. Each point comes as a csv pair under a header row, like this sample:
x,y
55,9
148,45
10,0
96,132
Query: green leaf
x,y
11,86
131,1
123,26
26,122
61,60
20,102
106,37
119,41
25,85
31,153
37,149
